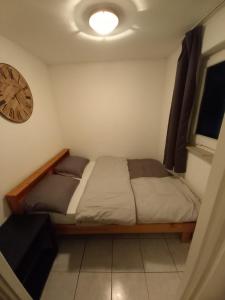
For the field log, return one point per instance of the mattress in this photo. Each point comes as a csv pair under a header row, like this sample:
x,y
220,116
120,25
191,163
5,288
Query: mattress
x,y
108,197
69,218
164,200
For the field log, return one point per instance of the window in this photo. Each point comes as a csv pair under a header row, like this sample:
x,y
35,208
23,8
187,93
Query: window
x,y
211,106
213,102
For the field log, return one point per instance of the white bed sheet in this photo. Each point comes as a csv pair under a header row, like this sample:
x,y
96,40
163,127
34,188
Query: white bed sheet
x,y
69,218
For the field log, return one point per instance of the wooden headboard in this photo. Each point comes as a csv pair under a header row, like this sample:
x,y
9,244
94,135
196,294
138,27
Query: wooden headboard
x,y
16,195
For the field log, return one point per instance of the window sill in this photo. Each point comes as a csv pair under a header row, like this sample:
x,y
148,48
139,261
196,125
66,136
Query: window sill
x,y
201,153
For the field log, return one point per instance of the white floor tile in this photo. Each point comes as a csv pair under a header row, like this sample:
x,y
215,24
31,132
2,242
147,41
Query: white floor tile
x,y
69,256
127,256
97,256
156,256
162,286
179,252
93,286
60,285
129,286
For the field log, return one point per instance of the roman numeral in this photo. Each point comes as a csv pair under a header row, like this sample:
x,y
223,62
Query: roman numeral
x,y
19,117
2,102
11,113
2,73
5,106
11,73
25,112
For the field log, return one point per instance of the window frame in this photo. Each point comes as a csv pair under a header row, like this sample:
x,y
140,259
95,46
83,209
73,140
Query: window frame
x,y
198,140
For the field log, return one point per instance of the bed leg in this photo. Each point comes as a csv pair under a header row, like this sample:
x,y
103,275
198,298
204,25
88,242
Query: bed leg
x,y
186,237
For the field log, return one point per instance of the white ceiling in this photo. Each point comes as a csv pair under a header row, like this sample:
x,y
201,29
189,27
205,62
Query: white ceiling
x,y
55,31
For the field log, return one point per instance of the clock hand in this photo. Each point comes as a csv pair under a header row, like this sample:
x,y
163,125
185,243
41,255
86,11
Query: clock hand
x,y
17,98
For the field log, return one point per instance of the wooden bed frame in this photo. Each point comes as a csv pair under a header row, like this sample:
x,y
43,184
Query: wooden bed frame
x,y
15,199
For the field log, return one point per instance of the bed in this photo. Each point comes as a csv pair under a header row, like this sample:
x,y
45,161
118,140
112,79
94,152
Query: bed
x,y
123,210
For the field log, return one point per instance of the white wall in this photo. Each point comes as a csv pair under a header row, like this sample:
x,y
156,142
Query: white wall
x,y
214,36
111,108
26,146
197,174
198,170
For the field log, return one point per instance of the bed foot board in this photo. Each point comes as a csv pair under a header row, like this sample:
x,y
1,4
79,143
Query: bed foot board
x,y
185,229
186,237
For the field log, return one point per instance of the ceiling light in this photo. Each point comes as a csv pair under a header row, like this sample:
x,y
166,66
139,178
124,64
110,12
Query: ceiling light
x,y
103,22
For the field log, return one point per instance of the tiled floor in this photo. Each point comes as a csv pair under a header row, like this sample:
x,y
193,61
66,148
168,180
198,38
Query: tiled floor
x,y
134,267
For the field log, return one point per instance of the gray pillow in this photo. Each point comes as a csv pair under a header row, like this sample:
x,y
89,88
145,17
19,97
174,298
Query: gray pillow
x,y
72,165
146,168
52,193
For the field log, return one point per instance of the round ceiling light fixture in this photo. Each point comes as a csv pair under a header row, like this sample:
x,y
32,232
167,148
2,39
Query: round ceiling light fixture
x,y
103,22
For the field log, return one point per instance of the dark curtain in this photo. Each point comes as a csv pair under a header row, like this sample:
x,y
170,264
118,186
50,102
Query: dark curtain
x,y
175,154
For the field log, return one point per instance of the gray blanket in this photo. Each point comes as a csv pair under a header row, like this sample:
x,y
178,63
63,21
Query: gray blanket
x,y
108,197
146,168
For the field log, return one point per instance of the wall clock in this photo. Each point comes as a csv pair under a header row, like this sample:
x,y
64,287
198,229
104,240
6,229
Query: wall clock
x,y
16,101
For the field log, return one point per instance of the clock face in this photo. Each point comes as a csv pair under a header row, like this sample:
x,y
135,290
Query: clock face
x,y
16,101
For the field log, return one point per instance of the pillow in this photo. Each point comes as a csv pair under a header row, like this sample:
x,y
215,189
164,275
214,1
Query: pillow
x,y
146,168
72,165
52,193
